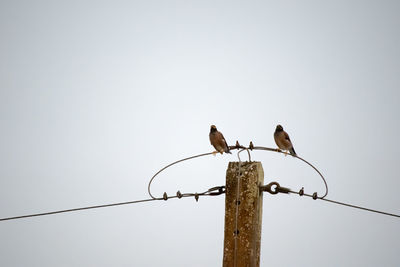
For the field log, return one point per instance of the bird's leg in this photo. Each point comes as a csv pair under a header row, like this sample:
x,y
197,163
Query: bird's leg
x,y
215,153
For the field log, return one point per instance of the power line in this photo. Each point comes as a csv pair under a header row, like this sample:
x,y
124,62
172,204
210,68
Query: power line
x,y
165,196
214,191
275,188
362,208
300,158
240,148
169,165
77,209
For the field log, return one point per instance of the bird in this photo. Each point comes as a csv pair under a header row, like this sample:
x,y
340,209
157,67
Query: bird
x,y
218,141
282,140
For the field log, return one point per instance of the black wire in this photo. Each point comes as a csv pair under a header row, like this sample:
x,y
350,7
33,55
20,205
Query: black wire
x,y
96,207
78,209
296,156
178,161
169,165
241,148
362,208
214,191
347,205
165,197
320,174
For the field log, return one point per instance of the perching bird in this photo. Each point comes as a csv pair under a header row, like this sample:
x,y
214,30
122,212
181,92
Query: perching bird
x,y
218,141
282,140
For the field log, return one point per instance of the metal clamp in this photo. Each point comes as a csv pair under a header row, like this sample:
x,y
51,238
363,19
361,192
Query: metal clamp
x,y
274,188
220,190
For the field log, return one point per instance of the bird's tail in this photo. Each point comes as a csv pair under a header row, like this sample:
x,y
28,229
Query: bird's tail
x,y
226,148
292,152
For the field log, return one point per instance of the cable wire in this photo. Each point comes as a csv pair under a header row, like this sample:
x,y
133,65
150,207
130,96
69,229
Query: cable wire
x,y
169,165
346,204
239,176
178,195
275,188
184,159
359,207
78,209
214,191
300,158
241,148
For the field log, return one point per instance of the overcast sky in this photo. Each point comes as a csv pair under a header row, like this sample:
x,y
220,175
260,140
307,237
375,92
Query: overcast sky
x,y
97,96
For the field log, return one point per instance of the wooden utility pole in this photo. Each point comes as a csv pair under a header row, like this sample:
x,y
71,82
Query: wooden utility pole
x,y
243,214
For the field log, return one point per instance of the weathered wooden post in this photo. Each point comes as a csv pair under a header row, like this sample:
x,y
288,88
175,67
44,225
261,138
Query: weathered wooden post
x,y
243,214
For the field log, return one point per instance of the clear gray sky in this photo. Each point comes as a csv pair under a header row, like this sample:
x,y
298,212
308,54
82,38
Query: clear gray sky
x,y
96,96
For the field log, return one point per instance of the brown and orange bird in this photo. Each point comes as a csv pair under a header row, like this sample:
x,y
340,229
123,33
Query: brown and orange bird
x,y
218,141
282,140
